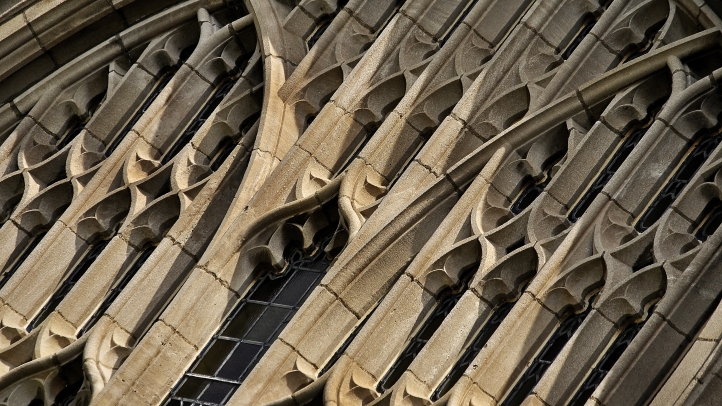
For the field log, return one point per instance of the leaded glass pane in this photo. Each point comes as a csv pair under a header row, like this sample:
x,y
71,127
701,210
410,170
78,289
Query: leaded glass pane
x,y
250,330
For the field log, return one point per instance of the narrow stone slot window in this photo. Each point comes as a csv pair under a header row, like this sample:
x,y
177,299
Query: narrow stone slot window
x,y
159,86
141,257
249,330
711,220
21,258
534,188
78,271
624,148
696,157
458,21
77,124
218,95
323,25
585,29
472,350
345,344
613,353
428,328
547,355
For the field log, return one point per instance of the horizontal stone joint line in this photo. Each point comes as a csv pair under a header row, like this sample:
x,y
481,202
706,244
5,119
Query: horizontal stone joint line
x,y
298,353
361,22
418,25
37,39
424,288
340,299
674,327
539,34
200,75
545,403
178,333
39,124
604,44
215,276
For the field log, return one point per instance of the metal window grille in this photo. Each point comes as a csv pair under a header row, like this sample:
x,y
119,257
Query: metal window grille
x,y
606,363
541,363
620,155
249,331
21,258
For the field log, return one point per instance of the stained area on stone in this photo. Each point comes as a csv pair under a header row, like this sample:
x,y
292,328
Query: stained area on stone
x,y
473,350
250,329
613,353
428,328
696,157
547,355
73,277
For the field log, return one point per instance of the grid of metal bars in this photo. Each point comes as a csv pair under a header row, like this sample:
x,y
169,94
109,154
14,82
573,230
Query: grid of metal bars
x,y
547,355
620,155
249,331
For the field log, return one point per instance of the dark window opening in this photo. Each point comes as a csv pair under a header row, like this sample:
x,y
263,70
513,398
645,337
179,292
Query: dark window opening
x,y
711,220
533,188
77,124
620,155
251,328
614,352
703,64
78,271
447,302
320,29
645,259
458,22
14,265
472,350
546,356
515,245
160,85
214,101
585,29
141,257
696,157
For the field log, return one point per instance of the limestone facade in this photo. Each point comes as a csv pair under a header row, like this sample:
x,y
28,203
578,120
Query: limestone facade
x,y
360,202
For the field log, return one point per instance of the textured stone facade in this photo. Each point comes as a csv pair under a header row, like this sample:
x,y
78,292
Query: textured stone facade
x,y
362,202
